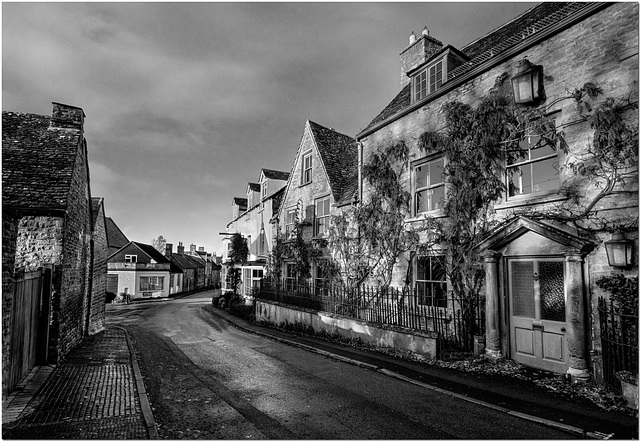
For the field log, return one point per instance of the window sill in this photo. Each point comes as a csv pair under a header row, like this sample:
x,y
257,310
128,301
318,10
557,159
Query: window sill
x,y
531,200
305,184
435,214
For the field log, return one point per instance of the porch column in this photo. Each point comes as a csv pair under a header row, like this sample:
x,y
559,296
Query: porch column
x,y
575,318
490,260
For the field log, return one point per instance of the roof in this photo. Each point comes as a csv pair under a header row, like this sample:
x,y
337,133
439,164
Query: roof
x,y
339,155
95,209
240,201
186,261
274,174
254,187
152,252
115,236
484,49
37,161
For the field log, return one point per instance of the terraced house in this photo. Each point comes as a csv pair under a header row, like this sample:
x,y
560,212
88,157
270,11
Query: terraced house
x,y
567,210
253,218
323,181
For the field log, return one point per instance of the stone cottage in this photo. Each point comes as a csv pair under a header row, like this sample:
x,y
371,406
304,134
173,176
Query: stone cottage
x,y
545,247
46,209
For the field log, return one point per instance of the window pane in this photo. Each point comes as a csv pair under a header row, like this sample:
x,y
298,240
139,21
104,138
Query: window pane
x,y
435,172
423,268
543,150
552,291
545,175
327,206
522,289
422,176
437,197
438,268
422,200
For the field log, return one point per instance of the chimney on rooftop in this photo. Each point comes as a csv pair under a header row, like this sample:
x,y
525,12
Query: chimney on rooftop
x,y
180,248
67,117
417,53
168,250
200,249
192,249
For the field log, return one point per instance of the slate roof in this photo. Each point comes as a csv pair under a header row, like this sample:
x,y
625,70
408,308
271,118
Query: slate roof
x,y
37,162
152,252
494,43
95,209
254,187
274,174
242,202
339,155
186,261
115,237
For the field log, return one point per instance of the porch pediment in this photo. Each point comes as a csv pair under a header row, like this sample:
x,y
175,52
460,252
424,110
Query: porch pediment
x,y
527,236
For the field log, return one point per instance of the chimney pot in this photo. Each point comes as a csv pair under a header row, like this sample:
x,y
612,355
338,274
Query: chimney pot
x,y
412,38
168,249
425,31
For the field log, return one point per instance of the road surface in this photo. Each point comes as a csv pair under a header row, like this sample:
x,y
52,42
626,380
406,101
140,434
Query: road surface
x,y
207,379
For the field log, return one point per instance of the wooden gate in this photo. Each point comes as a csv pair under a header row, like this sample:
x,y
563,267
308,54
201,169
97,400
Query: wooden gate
x,y
29,324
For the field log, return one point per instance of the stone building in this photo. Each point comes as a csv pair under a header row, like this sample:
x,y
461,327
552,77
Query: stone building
x,y
527,256
46,208
253,219
99,271
323,180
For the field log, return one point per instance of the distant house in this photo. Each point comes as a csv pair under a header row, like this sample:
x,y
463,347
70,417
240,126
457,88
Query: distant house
x,y
46,223
115,237
142,271
176,272
115,240
193,269
252,218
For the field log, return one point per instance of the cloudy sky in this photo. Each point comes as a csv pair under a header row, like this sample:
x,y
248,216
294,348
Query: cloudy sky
x,y
186,102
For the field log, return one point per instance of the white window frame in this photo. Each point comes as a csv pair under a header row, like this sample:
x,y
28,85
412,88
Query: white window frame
x,y
307,169
529,162
263,191
290,222
425,81
322,219
154,283
430,300
131,258
429,187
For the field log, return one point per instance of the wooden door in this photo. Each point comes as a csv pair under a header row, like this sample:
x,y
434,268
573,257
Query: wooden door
x,y
537,302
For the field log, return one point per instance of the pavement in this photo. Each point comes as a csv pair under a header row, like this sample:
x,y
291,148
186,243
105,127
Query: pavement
x,y
97,392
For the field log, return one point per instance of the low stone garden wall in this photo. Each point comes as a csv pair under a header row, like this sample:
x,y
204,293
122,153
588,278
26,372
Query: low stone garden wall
x,y
279,314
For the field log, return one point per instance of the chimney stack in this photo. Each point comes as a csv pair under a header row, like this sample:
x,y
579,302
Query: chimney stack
x,y
201,249
417,53
192,249
168,250
67,117
180,248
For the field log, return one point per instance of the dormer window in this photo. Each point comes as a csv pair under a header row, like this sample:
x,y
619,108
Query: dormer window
x,y
428,80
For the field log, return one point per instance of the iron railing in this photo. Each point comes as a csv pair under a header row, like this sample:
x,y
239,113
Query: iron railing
x,y
619,341
455,319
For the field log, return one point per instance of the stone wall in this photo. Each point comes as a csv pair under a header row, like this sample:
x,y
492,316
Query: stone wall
x,y
99,282
9,238
70,306
423,343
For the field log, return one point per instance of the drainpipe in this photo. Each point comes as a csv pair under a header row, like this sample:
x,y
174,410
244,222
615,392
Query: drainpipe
x,y
90,288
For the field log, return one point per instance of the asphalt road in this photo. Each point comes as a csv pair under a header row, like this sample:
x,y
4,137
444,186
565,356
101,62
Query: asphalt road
x,y
207,379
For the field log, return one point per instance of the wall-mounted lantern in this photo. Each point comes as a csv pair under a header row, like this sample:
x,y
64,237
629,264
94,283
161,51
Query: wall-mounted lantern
x,y
527,83
619,250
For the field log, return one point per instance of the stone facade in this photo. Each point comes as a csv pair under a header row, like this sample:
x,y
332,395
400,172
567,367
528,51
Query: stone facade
x,y
9,238
46,186
608,34
99,275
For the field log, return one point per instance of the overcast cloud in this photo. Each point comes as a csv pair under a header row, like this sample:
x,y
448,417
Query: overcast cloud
x,y
186,102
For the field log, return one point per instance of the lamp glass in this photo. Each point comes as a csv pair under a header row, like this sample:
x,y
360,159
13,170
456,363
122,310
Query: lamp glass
x,y
618,252
522,88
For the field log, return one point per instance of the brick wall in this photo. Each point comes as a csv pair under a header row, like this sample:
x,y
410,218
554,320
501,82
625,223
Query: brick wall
x,y
9,238
99,283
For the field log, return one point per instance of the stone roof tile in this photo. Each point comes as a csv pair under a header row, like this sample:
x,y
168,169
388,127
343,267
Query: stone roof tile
x,y
37,162
339,155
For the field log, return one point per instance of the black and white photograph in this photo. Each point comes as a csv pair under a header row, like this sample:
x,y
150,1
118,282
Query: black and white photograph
x,y
320,220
